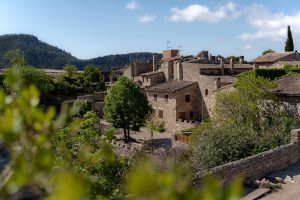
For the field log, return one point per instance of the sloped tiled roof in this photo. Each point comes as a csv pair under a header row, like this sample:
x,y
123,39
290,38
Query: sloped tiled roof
x,y
171,86
289,86
271,57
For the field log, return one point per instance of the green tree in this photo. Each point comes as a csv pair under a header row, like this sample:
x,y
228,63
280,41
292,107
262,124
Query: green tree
x,y
27,75
268,51
71,70
289,44
247,121
91,157
243,105
92,79
152,124
126,106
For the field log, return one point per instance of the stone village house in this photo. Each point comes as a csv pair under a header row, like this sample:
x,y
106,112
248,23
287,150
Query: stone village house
x,y
181,89
277,59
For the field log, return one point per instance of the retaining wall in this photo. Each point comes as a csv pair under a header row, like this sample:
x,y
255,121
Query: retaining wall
x,y
262,164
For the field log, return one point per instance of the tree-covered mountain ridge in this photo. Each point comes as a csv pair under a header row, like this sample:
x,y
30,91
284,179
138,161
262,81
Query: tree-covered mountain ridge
x,y
43,55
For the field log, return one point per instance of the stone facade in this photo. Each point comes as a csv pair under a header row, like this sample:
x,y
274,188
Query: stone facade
x,y
136,69
259,165
152,78
210,72
178,107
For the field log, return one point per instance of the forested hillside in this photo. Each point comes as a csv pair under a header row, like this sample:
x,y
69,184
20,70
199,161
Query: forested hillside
x,y
43,55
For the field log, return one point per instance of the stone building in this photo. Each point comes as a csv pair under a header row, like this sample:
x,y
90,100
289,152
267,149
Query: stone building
x,y
288,90
152,78
270,59
176,102
174,79
281,64
135,69
211,77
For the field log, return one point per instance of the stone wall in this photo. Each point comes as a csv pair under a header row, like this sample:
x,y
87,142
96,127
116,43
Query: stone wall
x,y
136,69
191,72
175,104
168,108
292,103
262,164
184,125
97,101
153,79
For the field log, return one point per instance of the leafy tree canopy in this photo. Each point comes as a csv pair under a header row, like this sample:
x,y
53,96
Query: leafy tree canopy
x,y
268,51
92,79
126,106
248,120
71,70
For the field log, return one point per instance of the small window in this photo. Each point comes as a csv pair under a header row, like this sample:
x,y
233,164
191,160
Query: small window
x,y
187,98
191,115
160,114
182,116
166,98
206,92
155,97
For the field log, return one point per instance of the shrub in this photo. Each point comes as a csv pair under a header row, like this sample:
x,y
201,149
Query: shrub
x,y
109,134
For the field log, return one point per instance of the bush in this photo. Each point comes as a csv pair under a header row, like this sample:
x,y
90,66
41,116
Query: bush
x,y
79,107
270,73
109,134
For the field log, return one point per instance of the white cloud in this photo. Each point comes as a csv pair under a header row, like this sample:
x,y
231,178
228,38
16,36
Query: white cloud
x,y
269,25
197,12
247,47
146,18
133,5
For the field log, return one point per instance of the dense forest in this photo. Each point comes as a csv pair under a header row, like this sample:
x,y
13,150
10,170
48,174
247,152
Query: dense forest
x,y
43,55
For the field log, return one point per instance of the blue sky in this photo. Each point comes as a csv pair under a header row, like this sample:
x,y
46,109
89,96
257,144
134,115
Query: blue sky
x,y
94,28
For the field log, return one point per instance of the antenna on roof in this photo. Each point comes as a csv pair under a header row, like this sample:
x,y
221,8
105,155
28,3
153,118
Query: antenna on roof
x,y
169,45
180,49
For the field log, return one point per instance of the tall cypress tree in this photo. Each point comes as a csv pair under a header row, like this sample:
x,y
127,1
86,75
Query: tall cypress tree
x,y
289,44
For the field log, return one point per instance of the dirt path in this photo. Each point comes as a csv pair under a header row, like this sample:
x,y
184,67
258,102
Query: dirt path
x,y
290,190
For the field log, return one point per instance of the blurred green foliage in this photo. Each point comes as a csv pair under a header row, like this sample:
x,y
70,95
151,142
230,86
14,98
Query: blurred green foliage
x,y
51,157
147,182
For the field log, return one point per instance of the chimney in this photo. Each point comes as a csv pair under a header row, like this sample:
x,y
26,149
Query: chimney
x,y
154,59
210,58
222,66
232,66
217,83
179,71
241,59
255,66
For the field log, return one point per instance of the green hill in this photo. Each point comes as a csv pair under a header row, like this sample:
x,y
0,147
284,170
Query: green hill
x,y
43,55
